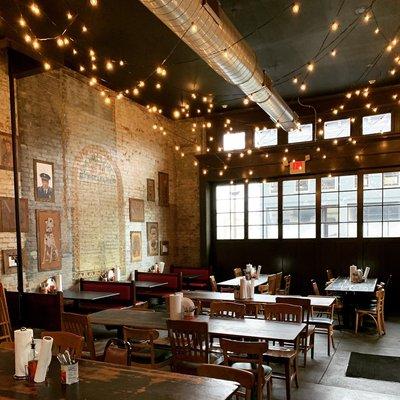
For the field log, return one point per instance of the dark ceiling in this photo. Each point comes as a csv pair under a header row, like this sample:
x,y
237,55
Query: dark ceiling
x,y
125,29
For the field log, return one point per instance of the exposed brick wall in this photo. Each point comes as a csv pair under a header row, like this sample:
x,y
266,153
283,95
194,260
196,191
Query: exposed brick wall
x,y
102,155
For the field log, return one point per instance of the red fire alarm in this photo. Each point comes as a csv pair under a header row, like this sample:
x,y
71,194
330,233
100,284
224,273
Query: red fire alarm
x,y
297,167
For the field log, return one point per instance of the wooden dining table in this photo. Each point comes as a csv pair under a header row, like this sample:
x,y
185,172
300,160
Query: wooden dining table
x,y
344,285
97,380
208,296
247,327
236,281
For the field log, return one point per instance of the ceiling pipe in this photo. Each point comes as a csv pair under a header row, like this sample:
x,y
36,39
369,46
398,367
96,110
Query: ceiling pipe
x,y
206,29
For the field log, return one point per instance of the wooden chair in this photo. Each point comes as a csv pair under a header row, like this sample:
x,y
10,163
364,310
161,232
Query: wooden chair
x,y
270,287
65,341
117,351
245,378
285,354
315,288
376,313
237,272
248,356
213,284
329,275
227,309
307,337
282,312
287,279
5,325
144,353
278,281
80,325
189,345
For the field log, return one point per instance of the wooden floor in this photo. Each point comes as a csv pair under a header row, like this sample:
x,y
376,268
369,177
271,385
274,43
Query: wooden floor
x,y
324,378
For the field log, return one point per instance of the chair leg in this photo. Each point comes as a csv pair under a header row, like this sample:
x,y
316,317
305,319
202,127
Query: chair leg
x,y
269,389
312,344
296,373
305,352
288,379
356,322
331,335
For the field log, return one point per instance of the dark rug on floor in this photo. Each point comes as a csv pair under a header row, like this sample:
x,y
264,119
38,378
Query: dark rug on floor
x,y
372,366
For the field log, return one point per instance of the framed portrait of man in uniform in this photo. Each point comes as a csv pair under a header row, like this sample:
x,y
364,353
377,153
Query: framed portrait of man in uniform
x,y
43,173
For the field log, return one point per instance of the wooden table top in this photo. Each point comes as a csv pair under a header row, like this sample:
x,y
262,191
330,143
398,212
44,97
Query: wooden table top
x,y
343,284
248,327
86,295
148,284
236,281
322,301
97,380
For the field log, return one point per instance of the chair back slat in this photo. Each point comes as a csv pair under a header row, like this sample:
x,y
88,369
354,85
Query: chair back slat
x,y
142,343
288,279
315,287
5,325
304,303
189,344
79,325
227,309
278,281
213,283
283,312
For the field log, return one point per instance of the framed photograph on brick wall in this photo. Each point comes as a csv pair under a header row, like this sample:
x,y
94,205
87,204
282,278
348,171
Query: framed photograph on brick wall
x,y
152,238
9,261
163,189
136,246
151,190
43,174
136,210
164,248
6,155
48,234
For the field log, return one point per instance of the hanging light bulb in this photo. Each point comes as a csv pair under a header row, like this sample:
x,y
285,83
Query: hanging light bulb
x,y
303,87
109,66
22,22
310,67
176,114
93,3
35,9
69,15
46,66
295,80
333,53
296,8
334,26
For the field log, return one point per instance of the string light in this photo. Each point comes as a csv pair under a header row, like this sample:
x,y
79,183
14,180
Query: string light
x,y
22,22
296,8
109,66
69,16
84,29
46,66
246,101
295,80
333,53
93,3
107,100
35,9
367,17
27,38
303,87
335,26
176,114
310,67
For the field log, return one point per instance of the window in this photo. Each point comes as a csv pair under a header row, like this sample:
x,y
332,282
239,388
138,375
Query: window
x,y
230,211
339,206
265,137
377,124
234,141
382,205
303,134
337,129
298,205
263,210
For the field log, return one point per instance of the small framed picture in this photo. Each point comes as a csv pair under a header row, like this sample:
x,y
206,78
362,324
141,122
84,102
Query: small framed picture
x,y
164,248
163,189
151,190
9,261
136,210
6,155
136,246
152,238
43,173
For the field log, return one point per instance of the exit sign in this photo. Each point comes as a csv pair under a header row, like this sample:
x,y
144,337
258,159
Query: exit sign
x,y
297,167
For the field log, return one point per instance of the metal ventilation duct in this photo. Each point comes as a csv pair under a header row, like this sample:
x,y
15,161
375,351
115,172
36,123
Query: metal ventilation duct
x,y
213,37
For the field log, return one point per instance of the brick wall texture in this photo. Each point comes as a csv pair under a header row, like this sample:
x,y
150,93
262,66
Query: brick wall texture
x,y
102,155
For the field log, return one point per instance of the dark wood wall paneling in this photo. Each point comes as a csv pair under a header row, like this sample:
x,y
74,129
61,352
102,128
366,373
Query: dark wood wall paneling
x,y
305,259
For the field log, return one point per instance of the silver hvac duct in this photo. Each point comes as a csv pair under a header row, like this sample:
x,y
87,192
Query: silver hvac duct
x,y
213,37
